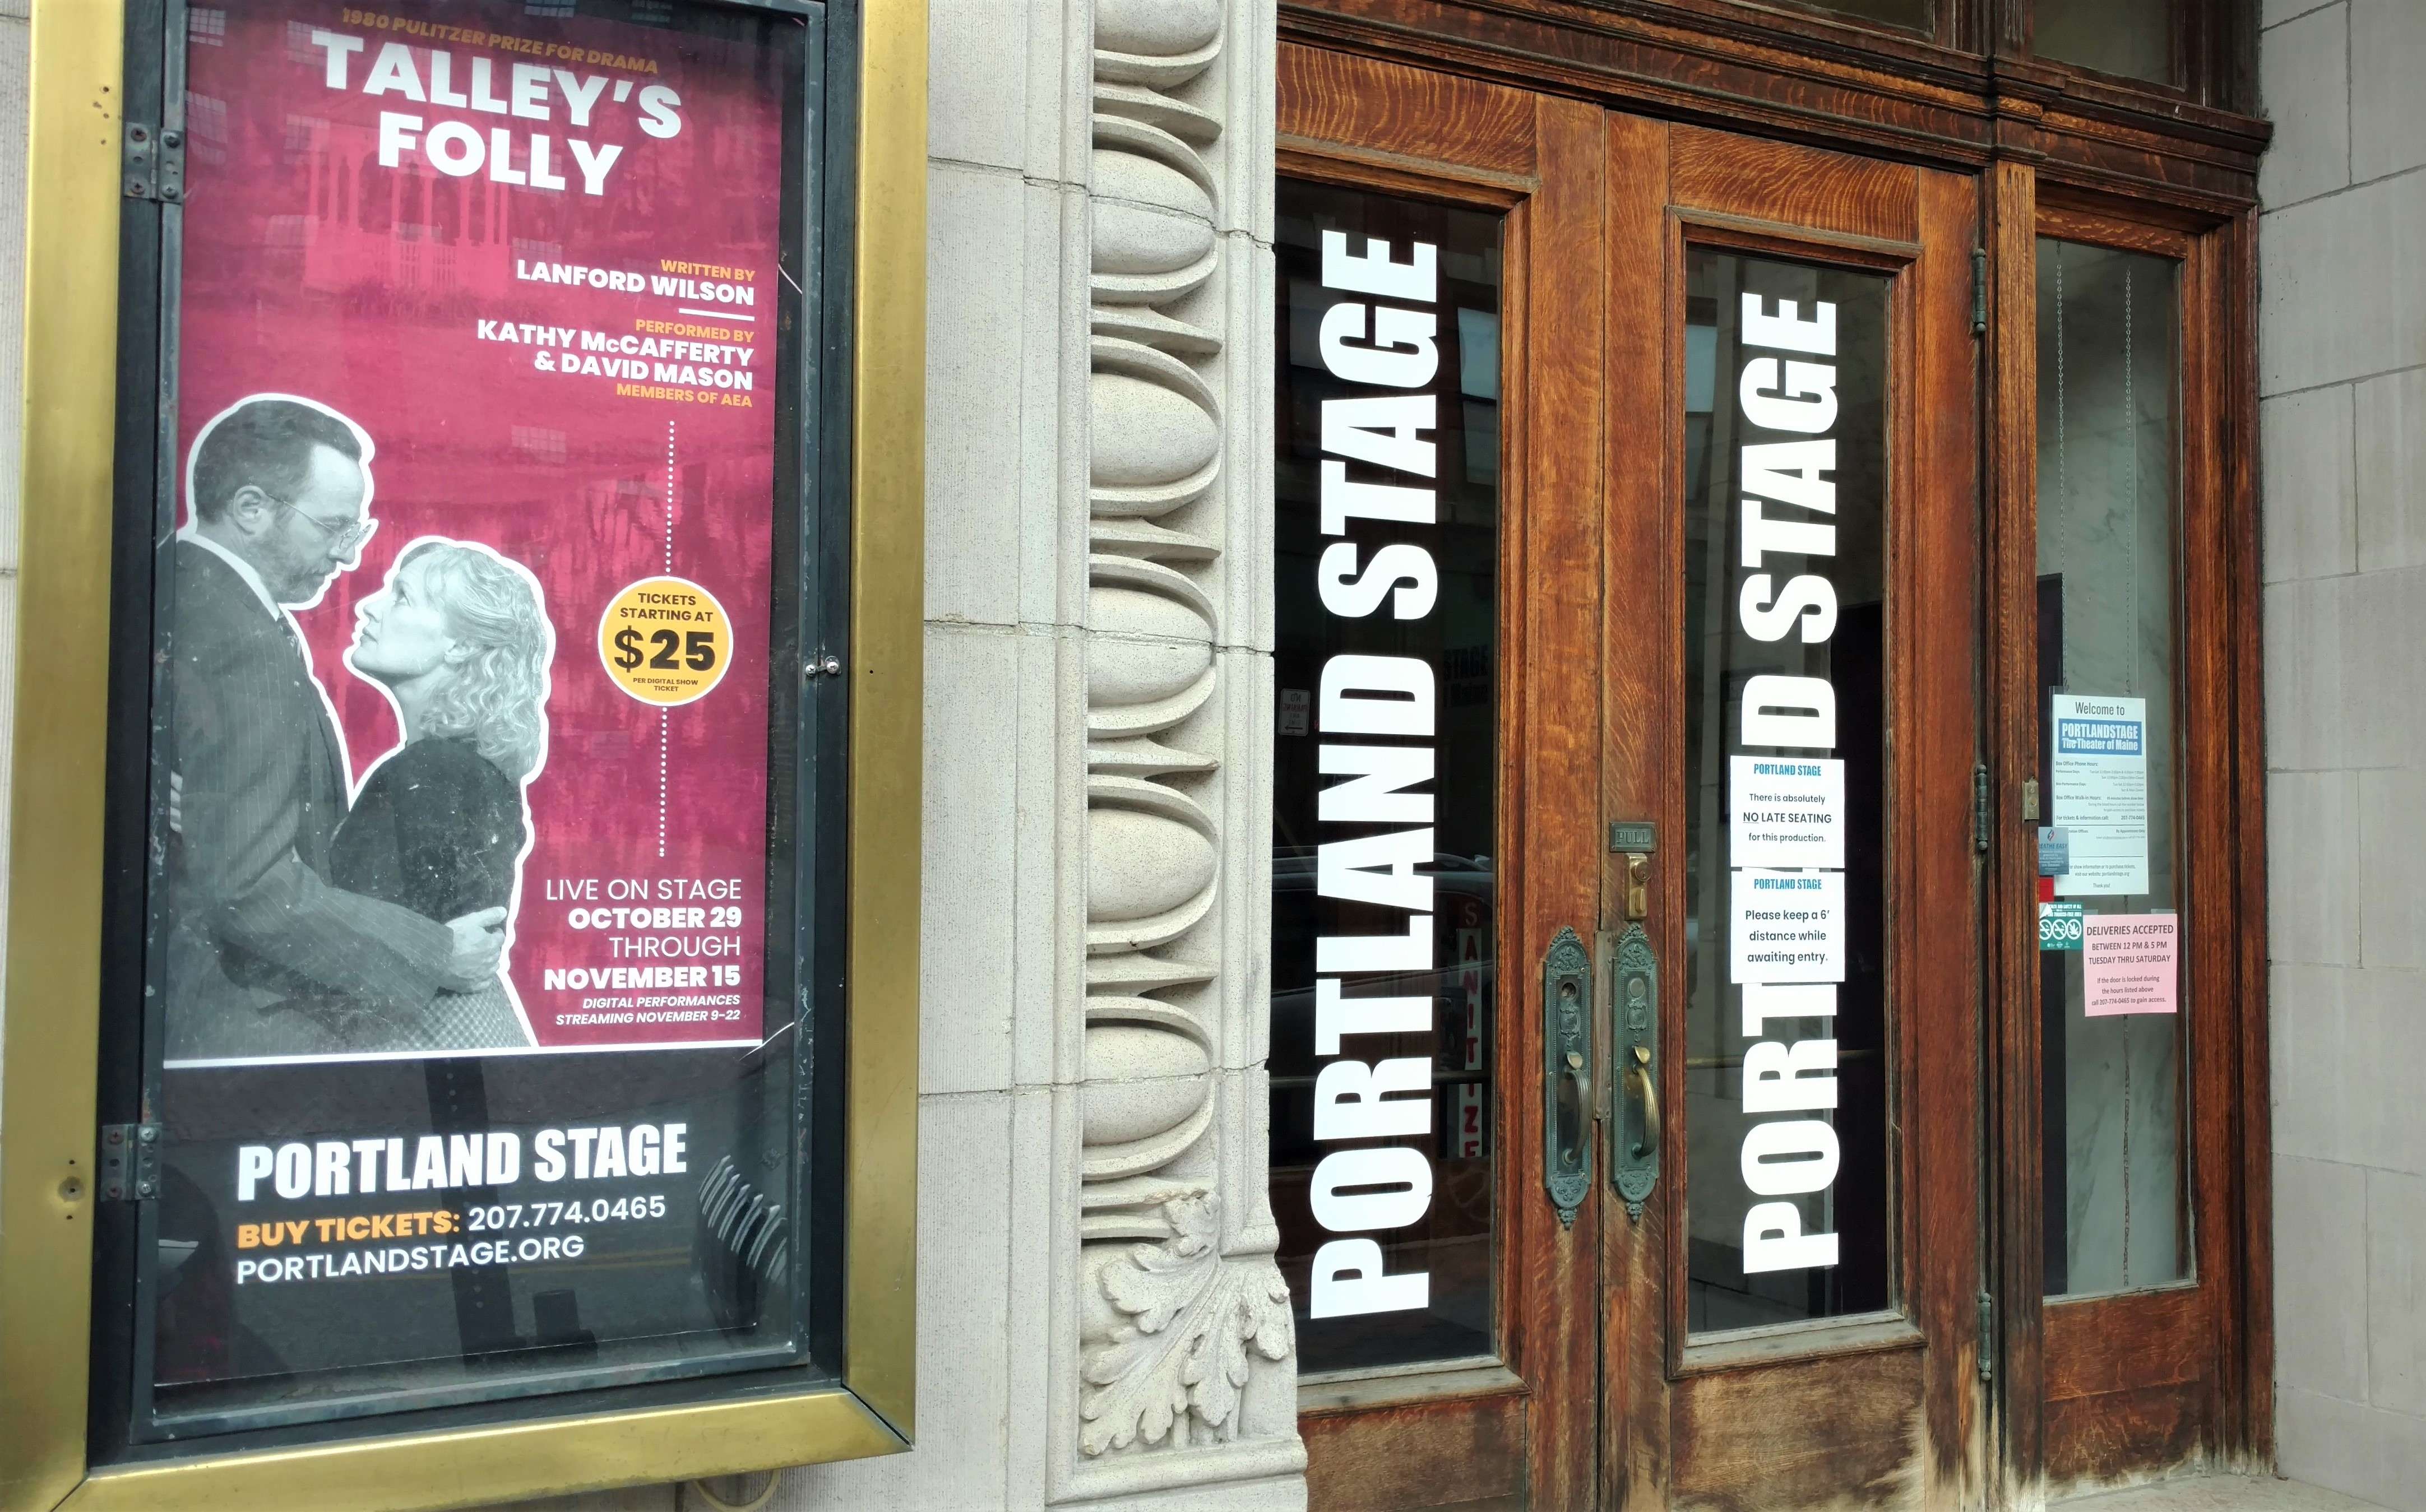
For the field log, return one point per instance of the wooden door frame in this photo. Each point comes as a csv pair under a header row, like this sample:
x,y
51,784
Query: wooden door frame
x,y
1521,1430
2070,1421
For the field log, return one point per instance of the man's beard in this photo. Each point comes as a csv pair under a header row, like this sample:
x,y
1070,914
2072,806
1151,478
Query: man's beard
x,y
300,576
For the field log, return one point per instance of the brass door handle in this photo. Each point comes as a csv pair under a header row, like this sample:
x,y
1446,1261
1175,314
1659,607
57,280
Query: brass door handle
x,y
1640,1074
1567,1073
1634,1125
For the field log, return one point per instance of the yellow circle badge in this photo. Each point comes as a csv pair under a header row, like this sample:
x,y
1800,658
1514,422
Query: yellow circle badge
x,y
665,641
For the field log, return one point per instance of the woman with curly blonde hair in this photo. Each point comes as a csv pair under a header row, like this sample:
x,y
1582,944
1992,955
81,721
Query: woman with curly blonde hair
x,y
458,638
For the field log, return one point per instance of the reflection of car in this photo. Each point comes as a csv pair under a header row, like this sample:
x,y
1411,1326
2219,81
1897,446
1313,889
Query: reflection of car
x,y
1461,980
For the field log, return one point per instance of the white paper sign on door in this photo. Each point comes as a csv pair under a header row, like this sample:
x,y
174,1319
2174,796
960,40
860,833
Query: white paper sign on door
x,y
1787,810
2101,793
1789,926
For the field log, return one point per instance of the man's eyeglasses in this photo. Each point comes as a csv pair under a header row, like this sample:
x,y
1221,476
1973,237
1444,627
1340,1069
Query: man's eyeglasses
x,y
343,539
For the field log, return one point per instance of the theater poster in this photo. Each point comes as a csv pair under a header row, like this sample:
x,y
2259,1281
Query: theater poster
x,y
478,412
464,705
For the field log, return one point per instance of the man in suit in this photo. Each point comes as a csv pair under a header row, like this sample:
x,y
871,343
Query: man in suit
x,y
278,492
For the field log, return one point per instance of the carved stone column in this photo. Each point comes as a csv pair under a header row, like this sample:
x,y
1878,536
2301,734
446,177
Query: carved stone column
x,y
1185,1355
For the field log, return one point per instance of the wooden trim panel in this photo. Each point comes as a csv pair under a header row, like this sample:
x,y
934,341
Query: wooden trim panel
x,y
1359,1461
1802,186
2011,1090
1390,109
2169,1330
1738,67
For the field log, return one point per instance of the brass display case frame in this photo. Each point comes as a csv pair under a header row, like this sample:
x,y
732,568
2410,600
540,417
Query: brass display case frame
x,y
50,1017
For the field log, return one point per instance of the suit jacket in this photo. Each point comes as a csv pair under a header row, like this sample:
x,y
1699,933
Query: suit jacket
x,y
253,919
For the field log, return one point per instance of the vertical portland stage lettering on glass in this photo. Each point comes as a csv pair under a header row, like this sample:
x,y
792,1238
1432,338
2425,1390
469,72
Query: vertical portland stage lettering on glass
x,y
1385,348
1386,567
1787,847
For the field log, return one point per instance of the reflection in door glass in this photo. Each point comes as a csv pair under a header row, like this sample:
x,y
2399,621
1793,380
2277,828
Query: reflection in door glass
x,y
1787,1070
2132,37
1385,753
2112,1079
1918,15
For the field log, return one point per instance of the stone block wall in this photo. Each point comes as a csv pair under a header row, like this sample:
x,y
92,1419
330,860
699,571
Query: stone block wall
x,y
2343,410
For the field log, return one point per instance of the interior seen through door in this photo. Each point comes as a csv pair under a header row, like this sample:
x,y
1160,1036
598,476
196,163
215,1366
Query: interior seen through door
x,y
1385,761
2110,949
1787,1069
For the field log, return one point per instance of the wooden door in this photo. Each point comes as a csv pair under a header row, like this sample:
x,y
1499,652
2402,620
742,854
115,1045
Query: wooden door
x,y
2133,1281
1596,1386
1398,1408
1791,633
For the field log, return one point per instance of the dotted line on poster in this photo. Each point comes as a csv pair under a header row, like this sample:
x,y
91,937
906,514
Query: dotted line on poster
x,y
665,717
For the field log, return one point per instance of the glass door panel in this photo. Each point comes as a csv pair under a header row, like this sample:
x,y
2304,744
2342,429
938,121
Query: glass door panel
x,y
1386,769
2112,1029
1916,15
1786,1070
2134,38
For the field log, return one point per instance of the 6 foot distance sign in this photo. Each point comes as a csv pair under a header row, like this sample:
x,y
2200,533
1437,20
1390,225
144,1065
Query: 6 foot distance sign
x,y
665,641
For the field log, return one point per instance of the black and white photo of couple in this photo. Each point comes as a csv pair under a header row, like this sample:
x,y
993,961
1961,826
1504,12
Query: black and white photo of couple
x,y
309,916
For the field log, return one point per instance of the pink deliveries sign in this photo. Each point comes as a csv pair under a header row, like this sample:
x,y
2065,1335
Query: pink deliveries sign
x,y
531,261
2132,963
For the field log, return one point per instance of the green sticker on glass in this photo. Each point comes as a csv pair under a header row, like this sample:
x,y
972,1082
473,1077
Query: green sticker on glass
x,y
2059,925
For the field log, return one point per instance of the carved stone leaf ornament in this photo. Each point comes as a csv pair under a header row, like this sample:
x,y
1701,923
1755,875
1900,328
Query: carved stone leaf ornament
x,y
1193,1319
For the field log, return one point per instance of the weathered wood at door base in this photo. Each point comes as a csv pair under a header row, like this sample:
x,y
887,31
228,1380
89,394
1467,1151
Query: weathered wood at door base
x,y
1361,1461
1842,1435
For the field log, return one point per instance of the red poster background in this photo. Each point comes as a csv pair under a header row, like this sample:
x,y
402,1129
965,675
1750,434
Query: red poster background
x,y
311,270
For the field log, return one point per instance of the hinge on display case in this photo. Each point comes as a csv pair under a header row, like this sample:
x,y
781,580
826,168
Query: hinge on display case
x,y
130,1162
1979,808
1987,1337
154,161
1979,291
